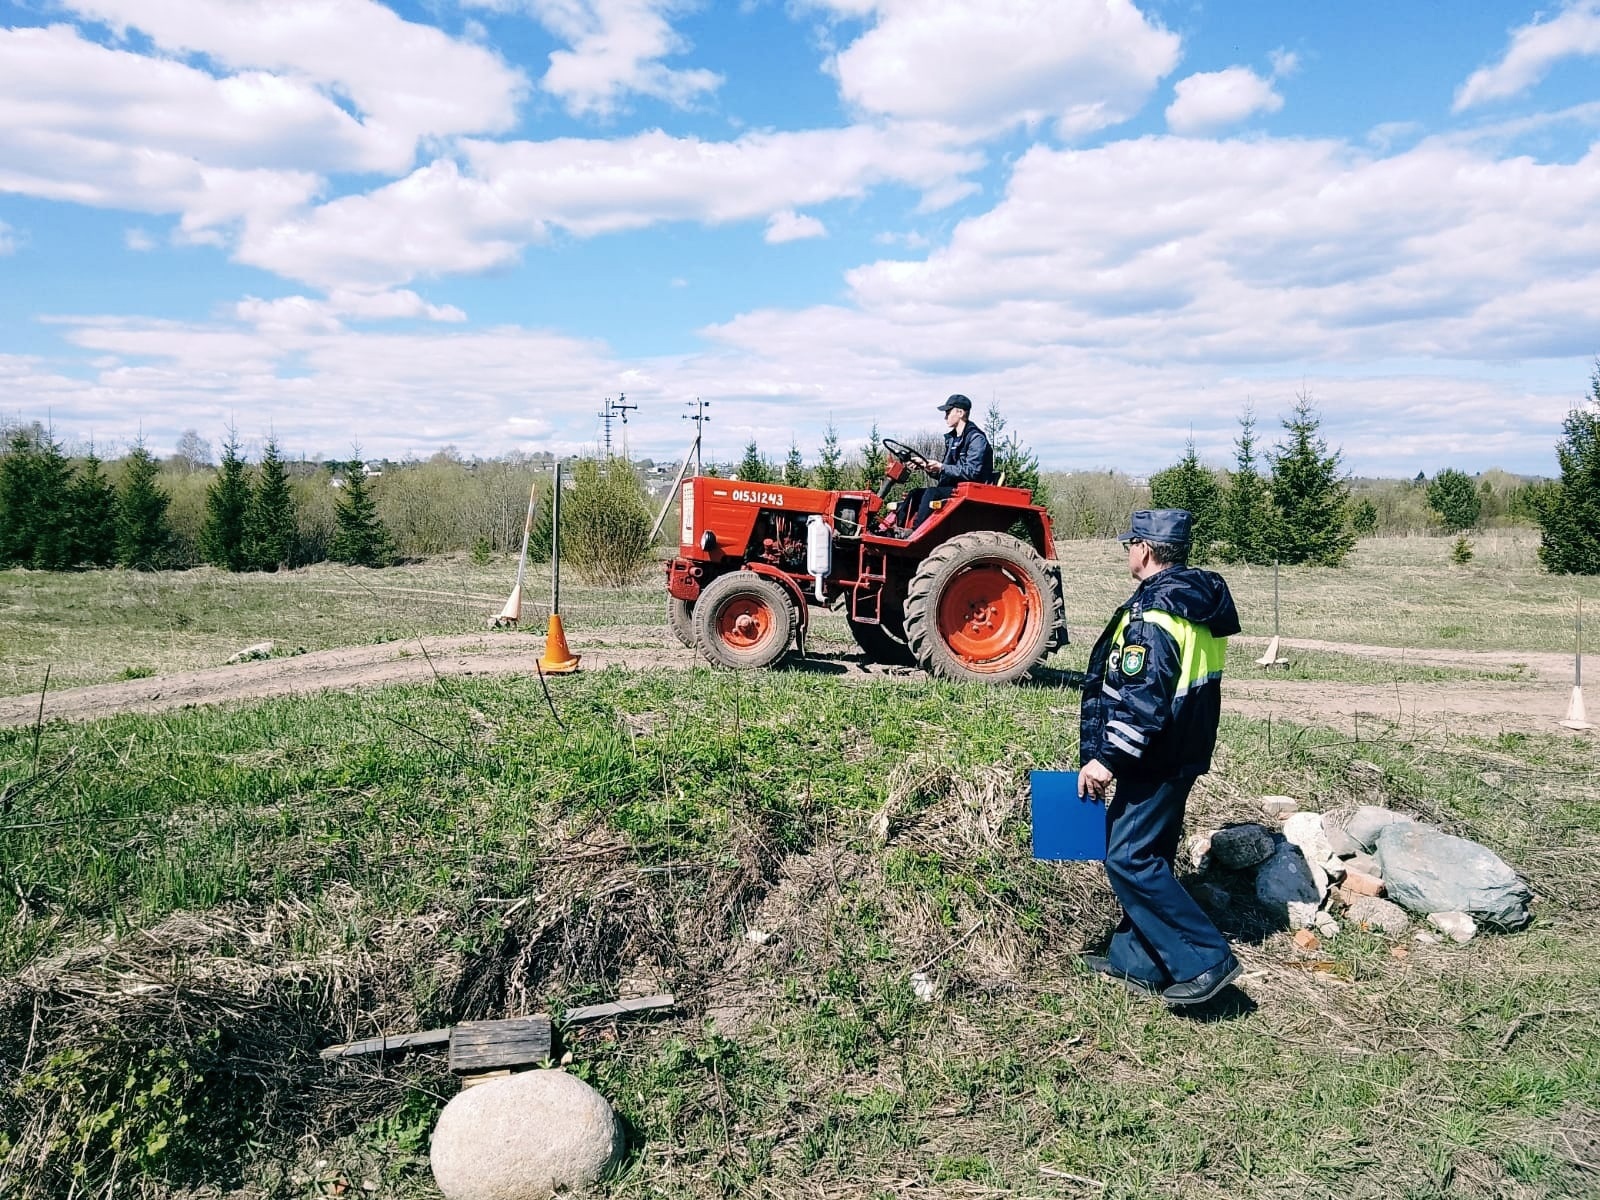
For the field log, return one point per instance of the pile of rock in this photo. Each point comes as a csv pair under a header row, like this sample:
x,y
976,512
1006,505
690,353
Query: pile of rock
x,y
1376,867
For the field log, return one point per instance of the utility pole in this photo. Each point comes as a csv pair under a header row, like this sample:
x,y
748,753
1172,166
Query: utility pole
x,y
612,410
698,416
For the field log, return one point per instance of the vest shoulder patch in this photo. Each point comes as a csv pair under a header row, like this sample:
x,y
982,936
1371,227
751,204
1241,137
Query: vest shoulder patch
x,y
1133,660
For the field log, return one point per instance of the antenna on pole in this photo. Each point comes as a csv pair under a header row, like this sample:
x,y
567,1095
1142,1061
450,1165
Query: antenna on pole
x,y
612,410
698,416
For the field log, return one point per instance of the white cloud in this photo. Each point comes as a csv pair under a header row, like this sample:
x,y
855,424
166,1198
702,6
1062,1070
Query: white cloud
x,y
1213,100
290,313
8,241
616,51
138,240
790,226
408,81
1535,48
447,218
1084,64
1269,251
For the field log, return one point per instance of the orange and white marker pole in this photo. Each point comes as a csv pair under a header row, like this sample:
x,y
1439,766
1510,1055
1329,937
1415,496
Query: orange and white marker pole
x,y
558,659
1576,718
511,614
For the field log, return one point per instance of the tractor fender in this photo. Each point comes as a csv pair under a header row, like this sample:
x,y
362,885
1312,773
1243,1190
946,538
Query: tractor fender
x,y
795,594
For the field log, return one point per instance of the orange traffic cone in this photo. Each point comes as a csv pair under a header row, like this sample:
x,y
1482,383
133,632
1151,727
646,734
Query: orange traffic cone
x,y
557,660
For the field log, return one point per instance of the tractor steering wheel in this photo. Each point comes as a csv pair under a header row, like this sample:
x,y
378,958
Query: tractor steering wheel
x,y
904,453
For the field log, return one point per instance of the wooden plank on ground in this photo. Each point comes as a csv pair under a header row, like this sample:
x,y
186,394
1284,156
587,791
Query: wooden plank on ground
x,y
477,1046
617,1008
392,1044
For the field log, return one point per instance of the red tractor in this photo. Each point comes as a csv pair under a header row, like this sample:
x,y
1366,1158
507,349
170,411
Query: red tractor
x,y
972,592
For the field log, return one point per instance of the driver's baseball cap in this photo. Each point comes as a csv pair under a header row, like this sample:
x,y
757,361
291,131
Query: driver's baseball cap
x,y
956,401
1169,525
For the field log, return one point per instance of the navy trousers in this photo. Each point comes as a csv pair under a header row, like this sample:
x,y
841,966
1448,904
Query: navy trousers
x,y
1164,937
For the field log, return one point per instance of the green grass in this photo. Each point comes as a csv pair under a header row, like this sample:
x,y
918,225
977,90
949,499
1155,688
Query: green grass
x,y
98,626
339,865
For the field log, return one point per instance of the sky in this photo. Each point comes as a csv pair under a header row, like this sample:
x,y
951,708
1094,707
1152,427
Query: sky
x,y
469,222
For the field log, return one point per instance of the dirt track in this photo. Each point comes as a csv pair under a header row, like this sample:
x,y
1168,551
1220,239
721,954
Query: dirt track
x,y
1535,704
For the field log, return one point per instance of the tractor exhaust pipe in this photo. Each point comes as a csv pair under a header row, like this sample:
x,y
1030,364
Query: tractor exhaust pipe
x,y
819,551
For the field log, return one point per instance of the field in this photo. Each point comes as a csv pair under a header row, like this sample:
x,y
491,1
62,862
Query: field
x,y
194,901
100,626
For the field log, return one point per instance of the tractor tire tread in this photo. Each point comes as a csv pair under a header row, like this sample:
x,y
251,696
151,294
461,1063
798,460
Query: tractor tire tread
x,y
711,598
921,618
680,619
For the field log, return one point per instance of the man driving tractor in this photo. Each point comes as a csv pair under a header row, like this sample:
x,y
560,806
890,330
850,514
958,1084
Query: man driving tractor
x,y
968,458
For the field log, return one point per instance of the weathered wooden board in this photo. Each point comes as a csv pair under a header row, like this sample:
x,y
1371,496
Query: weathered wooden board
x,y
387,1045
477,1046
399,1042
617,1008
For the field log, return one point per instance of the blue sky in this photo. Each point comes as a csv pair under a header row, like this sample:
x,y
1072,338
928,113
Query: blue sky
x,y
468,221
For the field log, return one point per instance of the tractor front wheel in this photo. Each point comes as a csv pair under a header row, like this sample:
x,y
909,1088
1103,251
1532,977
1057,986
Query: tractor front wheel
x,y
980,607
744,621
680,615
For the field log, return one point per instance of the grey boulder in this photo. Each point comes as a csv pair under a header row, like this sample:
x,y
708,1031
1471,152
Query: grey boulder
x,y
1429,871
1365,824
1239,847
524,1137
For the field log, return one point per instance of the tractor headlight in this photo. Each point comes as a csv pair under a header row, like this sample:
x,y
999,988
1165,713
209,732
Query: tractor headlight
x,y
708,541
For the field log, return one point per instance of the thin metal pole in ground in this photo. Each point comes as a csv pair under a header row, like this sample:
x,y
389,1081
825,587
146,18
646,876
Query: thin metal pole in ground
x,y
558,659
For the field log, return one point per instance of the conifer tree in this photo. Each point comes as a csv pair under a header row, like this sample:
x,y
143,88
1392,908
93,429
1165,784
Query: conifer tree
x,y
830,471
93,503
794,467
1455,498
222,537
1013,461
1247,512
16,500
1309,494
35,503
1569,512
753,468
1190,485
361,538
270,525
144,535
874,461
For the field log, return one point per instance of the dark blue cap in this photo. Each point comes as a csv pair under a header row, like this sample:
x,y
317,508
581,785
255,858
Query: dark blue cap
x,y
1169,525
956,401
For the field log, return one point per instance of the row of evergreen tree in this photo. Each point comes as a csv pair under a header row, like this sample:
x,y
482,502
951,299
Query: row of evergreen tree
x,y
1300,511
57,515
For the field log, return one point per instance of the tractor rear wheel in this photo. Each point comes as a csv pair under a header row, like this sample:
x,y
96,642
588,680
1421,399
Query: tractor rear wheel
x,y
880,645
744,621
980,607
680,615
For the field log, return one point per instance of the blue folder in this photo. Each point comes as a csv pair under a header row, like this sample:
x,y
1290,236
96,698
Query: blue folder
x,y
1066,826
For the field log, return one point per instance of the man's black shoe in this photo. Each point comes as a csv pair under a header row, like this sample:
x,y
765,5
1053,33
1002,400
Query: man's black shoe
x,y
1204,987
1102,966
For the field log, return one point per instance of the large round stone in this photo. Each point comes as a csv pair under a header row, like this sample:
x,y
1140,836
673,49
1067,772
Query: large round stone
x,y
524,1137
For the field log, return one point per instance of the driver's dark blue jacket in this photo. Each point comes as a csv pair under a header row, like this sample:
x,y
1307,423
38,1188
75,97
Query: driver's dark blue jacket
x,y
1153,694
967,459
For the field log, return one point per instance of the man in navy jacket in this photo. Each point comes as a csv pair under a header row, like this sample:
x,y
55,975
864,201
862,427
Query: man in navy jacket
x,y
1149,721
968,457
